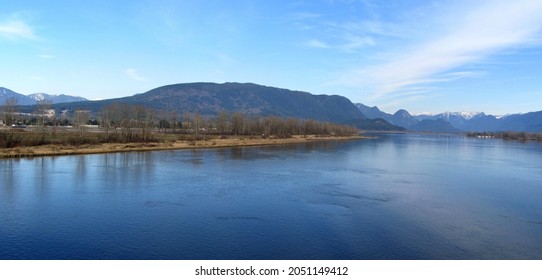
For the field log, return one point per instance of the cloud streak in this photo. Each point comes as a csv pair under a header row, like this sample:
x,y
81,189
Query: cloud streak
x,y
17,29
134,75
486,30
46,56
314,43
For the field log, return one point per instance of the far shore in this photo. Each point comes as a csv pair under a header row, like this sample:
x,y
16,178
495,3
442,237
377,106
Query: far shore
x,y
58,150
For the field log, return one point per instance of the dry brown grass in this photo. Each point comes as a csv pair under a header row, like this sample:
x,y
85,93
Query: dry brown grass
x,y
97,148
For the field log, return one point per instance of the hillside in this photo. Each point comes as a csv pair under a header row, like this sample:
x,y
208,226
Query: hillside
x,y
377,124
401,118
6,94
438,125
250,99
209,99
529,122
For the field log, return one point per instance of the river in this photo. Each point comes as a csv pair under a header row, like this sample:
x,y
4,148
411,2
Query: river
x,y
398,196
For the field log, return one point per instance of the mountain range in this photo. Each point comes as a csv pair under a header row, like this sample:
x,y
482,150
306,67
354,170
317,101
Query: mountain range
x,y
458,121
209,99
32,99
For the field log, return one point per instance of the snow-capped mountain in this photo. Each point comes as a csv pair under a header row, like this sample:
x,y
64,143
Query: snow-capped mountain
x,y
37,96
460,120
464,115
32,99
56,98
449,115
466,121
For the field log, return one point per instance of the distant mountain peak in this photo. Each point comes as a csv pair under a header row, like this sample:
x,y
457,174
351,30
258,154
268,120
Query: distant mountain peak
x,y
4,91
438,125
402,113
55,98
37,96
464,115
31,99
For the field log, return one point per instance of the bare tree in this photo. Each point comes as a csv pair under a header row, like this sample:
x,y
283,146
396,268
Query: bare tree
x,y
106,119
42,111
148,124
80,120
222,122
174,120
198,121
237,120
9,111
187,121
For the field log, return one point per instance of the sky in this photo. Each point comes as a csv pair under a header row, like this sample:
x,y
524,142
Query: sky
x,y
423,56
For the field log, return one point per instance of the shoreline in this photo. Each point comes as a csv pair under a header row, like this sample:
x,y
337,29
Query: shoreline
x,y
65,150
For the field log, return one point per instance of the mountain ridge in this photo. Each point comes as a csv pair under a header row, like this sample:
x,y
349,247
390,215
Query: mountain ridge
x,y
210,99
247,98
207,98
32,99
461,121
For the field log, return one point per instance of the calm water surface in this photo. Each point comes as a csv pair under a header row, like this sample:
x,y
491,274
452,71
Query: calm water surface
x,y
396,197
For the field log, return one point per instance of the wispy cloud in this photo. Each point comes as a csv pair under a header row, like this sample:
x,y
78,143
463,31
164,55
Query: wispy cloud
x,y
15,29
353,42
313,43
348,43
304,16
476,35
134,74
46,56
225,60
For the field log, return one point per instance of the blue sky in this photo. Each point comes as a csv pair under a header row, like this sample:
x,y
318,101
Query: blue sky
x,y
423,56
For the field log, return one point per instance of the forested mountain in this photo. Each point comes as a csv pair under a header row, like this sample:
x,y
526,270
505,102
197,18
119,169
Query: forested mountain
x,y
250,99
209,99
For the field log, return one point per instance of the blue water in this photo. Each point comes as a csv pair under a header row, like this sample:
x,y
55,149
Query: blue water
x,y
400,196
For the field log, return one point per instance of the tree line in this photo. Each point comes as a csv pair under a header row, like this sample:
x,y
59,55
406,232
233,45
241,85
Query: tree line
x,y
508,135
119,122
137,123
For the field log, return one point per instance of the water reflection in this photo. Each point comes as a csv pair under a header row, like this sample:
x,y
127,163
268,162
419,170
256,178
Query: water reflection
x,y
282,151
196,157
124,169
394,197
9,177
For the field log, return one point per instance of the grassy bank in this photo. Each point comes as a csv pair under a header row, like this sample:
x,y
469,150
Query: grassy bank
x,y
69,144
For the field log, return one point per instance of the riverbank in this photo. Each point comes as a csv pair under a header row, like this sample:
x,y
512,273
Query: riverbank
x,y
57,150
508,135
